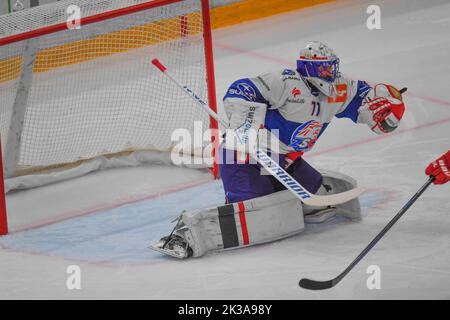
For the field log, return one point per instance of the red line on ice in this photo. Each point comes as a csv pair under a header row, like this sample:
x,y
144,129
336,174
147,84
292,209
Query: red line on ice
x,y
376,138
109,206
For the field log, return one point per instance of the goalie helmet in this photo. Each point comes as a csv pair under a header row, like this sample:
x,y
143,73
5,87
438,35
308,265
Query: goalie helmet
x,y
320,66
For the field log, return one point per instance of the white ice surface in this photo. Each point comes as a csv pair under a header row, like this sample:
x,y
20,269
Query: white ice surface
x,y
412,49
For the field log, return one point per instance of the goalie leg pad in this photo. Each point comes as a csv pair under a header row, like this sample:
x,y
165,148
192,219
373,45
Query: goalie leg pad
x,y
264,219
244,223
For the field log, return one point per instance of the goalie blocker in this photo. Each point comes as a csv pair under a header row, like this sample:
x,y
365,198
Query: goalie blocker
x,y
255,221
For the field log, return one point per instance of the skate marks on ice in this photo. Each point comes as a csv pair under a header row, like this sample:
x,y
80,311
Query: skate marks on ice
x,y
122,235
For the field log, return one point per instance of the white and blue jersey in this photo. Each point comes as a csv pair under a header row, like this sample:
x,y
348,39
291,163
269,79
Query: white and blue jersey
x,y
298,111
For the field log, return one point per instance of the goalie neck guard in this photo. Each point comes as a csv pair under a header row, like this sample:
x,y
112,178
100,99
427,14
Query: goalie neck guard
x,y
320,66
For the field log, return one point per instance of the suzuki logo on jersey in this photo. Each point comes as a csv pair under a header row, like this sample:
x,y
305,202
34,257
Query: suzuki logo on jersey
x,y
243,130
296,92
306,135
245,90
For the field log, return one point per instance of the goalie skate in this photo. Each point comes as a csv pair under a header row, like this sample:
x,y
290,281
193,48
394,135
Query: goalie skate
x,y
174,246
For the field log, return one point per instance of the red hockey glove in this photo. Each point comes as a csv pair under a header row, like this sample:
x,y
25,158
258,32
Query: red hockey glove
x,y
440,169
383,109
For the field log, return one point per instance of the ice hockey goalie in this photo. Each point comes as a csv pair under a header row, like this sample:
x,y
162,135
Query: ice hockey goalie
x,y
295,106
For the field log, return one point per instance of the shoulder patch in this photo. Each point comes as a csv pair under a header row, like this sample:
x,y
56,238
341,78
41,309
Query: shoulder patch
x,y
245,89
341,96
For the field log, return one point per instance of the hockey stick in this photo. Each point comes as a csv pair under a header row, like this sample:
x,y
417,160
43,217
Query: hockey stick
x,y
321,285
267,162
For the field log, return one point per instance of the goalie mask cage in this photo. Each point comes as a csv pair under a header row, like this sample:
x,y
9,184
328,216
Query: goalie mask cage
x,y
76,100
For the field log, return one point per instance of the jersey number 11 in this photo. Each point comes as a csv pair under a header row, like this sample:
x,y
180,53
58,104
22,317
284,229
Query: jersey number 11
x,y
315,105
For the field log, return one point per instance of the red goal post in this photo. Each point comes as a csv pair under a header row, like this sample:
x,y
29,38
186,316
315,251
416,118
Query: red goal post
x,y
3,214
178,31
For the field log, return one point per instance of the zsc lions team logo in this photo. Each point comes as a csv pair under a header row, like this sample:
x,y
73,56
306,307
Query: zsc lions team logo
x,y
306,135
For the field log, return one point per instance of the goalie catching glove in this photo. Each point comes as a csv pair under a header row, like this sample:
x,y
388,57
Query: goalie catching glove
x,y
382,109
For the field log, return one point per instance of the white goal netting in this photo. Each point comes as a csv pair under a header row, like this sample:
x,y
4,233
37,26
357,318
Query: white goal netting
x,y
93,92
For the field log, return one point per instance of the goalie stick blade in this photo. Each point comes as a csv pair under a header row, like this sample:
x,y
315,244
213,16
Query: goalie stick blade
x,y
316,285
330,200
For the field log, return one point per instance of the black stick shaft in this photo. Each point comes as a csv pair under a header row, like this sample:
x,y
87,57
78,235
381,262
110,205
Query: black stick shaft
x,y
380,235
388,226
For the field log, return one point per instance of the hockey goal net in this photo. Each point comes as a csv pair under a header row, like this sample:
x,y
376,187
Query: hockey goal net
x,y
70,96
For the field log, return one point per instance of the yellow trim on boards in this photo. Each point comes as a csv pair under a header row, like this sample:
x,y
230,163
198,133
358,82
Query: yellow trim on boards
x,y
146,35
248,10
